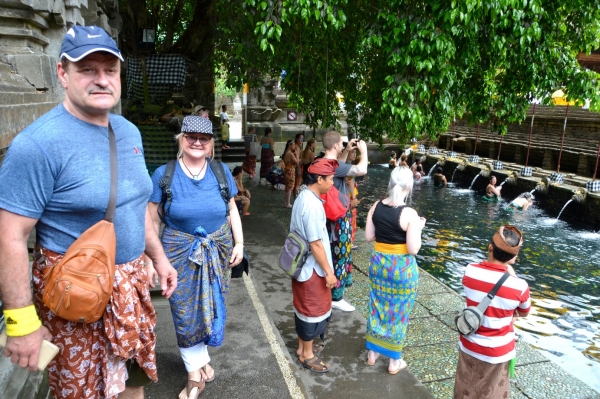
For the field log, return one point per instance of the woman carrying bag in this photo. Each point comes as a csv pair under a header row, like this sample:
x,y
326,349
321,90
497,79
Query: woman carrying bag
x,y
202,240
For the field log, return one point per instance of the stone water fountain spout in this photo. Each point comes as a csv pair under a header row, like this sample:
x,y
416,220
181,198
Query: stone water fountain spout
x,y
461,166
579,195
511,179
485,172
542,187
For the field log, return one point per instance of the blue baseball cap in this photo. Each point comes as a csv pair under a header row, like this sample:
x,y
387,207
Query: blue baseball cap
x,y
81,41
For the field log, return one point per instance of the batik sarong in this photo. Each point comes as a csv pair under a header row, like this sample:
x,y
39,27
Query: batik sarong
x,y
393,281
478,379
266,160
289,174
91,363
249,165
340,237
203,273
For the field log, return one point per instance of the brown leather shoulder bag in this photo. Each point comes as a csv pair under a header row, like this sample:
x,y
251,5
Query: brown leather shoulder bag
x,y
79,287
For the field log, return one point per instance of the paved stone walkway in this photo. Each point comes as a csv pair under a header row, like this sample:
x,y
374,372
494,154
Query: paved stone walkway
x,y
257,359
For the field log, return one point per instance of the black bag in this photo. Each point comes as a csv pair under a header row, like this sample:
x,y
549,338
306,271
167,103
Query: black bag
x,y
167,197
243,266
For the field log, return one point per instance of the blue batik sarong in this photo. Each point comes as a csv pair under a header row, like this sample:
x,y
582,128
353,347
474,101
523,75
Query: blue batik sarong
x,y
203,273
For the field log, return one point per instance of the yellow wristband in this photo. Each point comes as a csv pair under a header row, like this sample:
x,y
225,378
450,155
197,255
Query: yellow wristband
x,y
23,321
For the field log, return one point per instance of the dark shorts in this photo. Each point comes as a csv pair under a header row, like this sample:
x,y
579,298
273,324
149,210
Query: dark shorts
x,y
309,331
137,376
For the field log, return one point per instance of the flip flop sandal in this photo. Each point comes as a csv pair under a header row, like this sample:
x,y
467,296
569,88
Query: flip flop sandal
x,y
374,359
401,366
315,364
317,348
206,374
194,384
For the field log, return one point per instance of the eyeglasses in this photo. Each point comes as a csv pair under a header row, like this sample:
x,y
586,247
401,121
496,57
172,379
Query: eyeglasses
x,y
192,139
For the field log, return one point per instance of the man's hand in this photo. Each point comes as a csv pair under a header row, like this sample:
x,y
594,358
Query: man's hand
x,y
168,276
330,280
362,147
25,350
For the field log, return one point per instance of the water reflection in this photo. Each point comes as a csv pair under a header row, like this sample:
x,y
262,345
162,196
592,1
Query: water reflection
x,y
560,263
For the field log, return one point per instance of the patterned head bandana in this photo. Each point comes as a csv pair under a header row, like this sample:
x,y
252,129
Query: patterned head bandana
x,y
196,124
323,167
501,243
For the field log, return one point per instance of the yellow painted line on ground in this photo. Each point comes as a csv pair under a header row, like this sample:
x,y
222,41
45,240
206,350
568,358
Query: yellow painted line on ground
x,y
284,365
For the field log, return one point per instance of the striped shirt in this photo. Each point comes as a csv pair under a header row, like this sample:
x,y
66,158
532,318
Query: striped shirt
x,y
249,138
494,341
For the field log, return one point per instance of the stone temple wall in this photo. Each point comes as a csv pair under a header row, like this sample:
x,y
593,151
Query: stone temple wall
x,y
31,32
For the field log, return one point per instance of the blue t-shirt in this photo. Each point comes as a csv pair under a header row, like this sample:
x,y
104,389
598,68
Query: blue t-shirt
x,y
57,170
195,202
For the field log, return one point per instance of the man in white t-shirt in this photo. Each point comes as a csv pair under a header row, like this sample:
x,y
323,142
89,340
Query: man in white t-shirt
x,y
312,288
224,127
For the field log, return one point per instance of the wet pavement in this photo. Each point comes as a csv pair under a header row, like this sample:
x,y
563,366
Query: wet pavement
x,y
257,359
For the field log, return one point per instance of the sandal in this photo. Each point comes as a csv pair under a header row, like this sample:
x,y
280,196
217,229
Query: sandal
x,y
374,357
315,364
401,366
194,384
205,371
317,348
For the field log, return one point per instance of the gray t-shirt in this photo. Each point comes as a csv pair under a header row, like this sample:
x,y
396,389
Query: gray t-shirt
x,y
57,170
308,219
339,181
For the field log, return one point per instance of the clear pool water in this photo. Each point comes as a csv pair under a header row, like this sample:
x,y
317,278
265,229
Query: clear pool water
x,y
560,262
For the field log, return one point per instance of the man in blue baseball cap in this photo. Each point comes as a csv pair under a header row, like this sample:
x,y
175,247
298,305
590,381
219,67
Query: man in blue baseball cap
x,y
56,177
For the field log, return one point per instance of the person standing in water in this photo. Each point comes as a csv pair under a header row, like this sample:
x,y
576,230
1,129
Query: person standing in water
x,y
492,193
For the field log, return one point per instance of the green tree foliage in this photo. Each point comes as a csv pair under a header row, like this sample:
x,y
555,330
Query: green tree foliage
x,y
407,67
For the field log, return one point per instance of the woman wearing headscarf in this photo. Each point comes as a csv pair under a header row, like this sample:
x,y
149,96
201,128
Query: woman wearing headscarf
x,y
202,242
267,155
291,160
396,230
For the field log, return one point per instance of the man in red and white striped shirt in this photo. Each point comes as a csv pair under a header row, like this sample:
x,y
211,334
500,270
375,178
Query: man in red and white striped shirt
x,y
484,355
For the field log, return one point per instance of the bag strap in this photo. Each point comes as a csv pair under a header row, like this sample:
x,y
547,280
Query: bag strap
x,y
217,169
112,198
167,195
485,302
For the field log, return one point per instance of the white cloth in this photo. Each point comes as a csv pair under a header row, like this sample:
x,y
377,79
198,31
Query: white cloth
x,y
308,219
195,357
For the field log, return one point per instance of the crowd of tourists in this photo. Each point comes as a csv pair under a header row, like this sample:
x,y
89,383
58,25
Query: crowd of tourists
x,y
64,195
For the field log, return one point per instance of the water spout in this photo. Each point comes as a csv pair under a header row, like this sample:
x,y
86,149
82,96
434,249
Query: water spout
x,y
512,179
432,169
485,173
473,182
561,211
542,186
579,195
533,191
455,169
